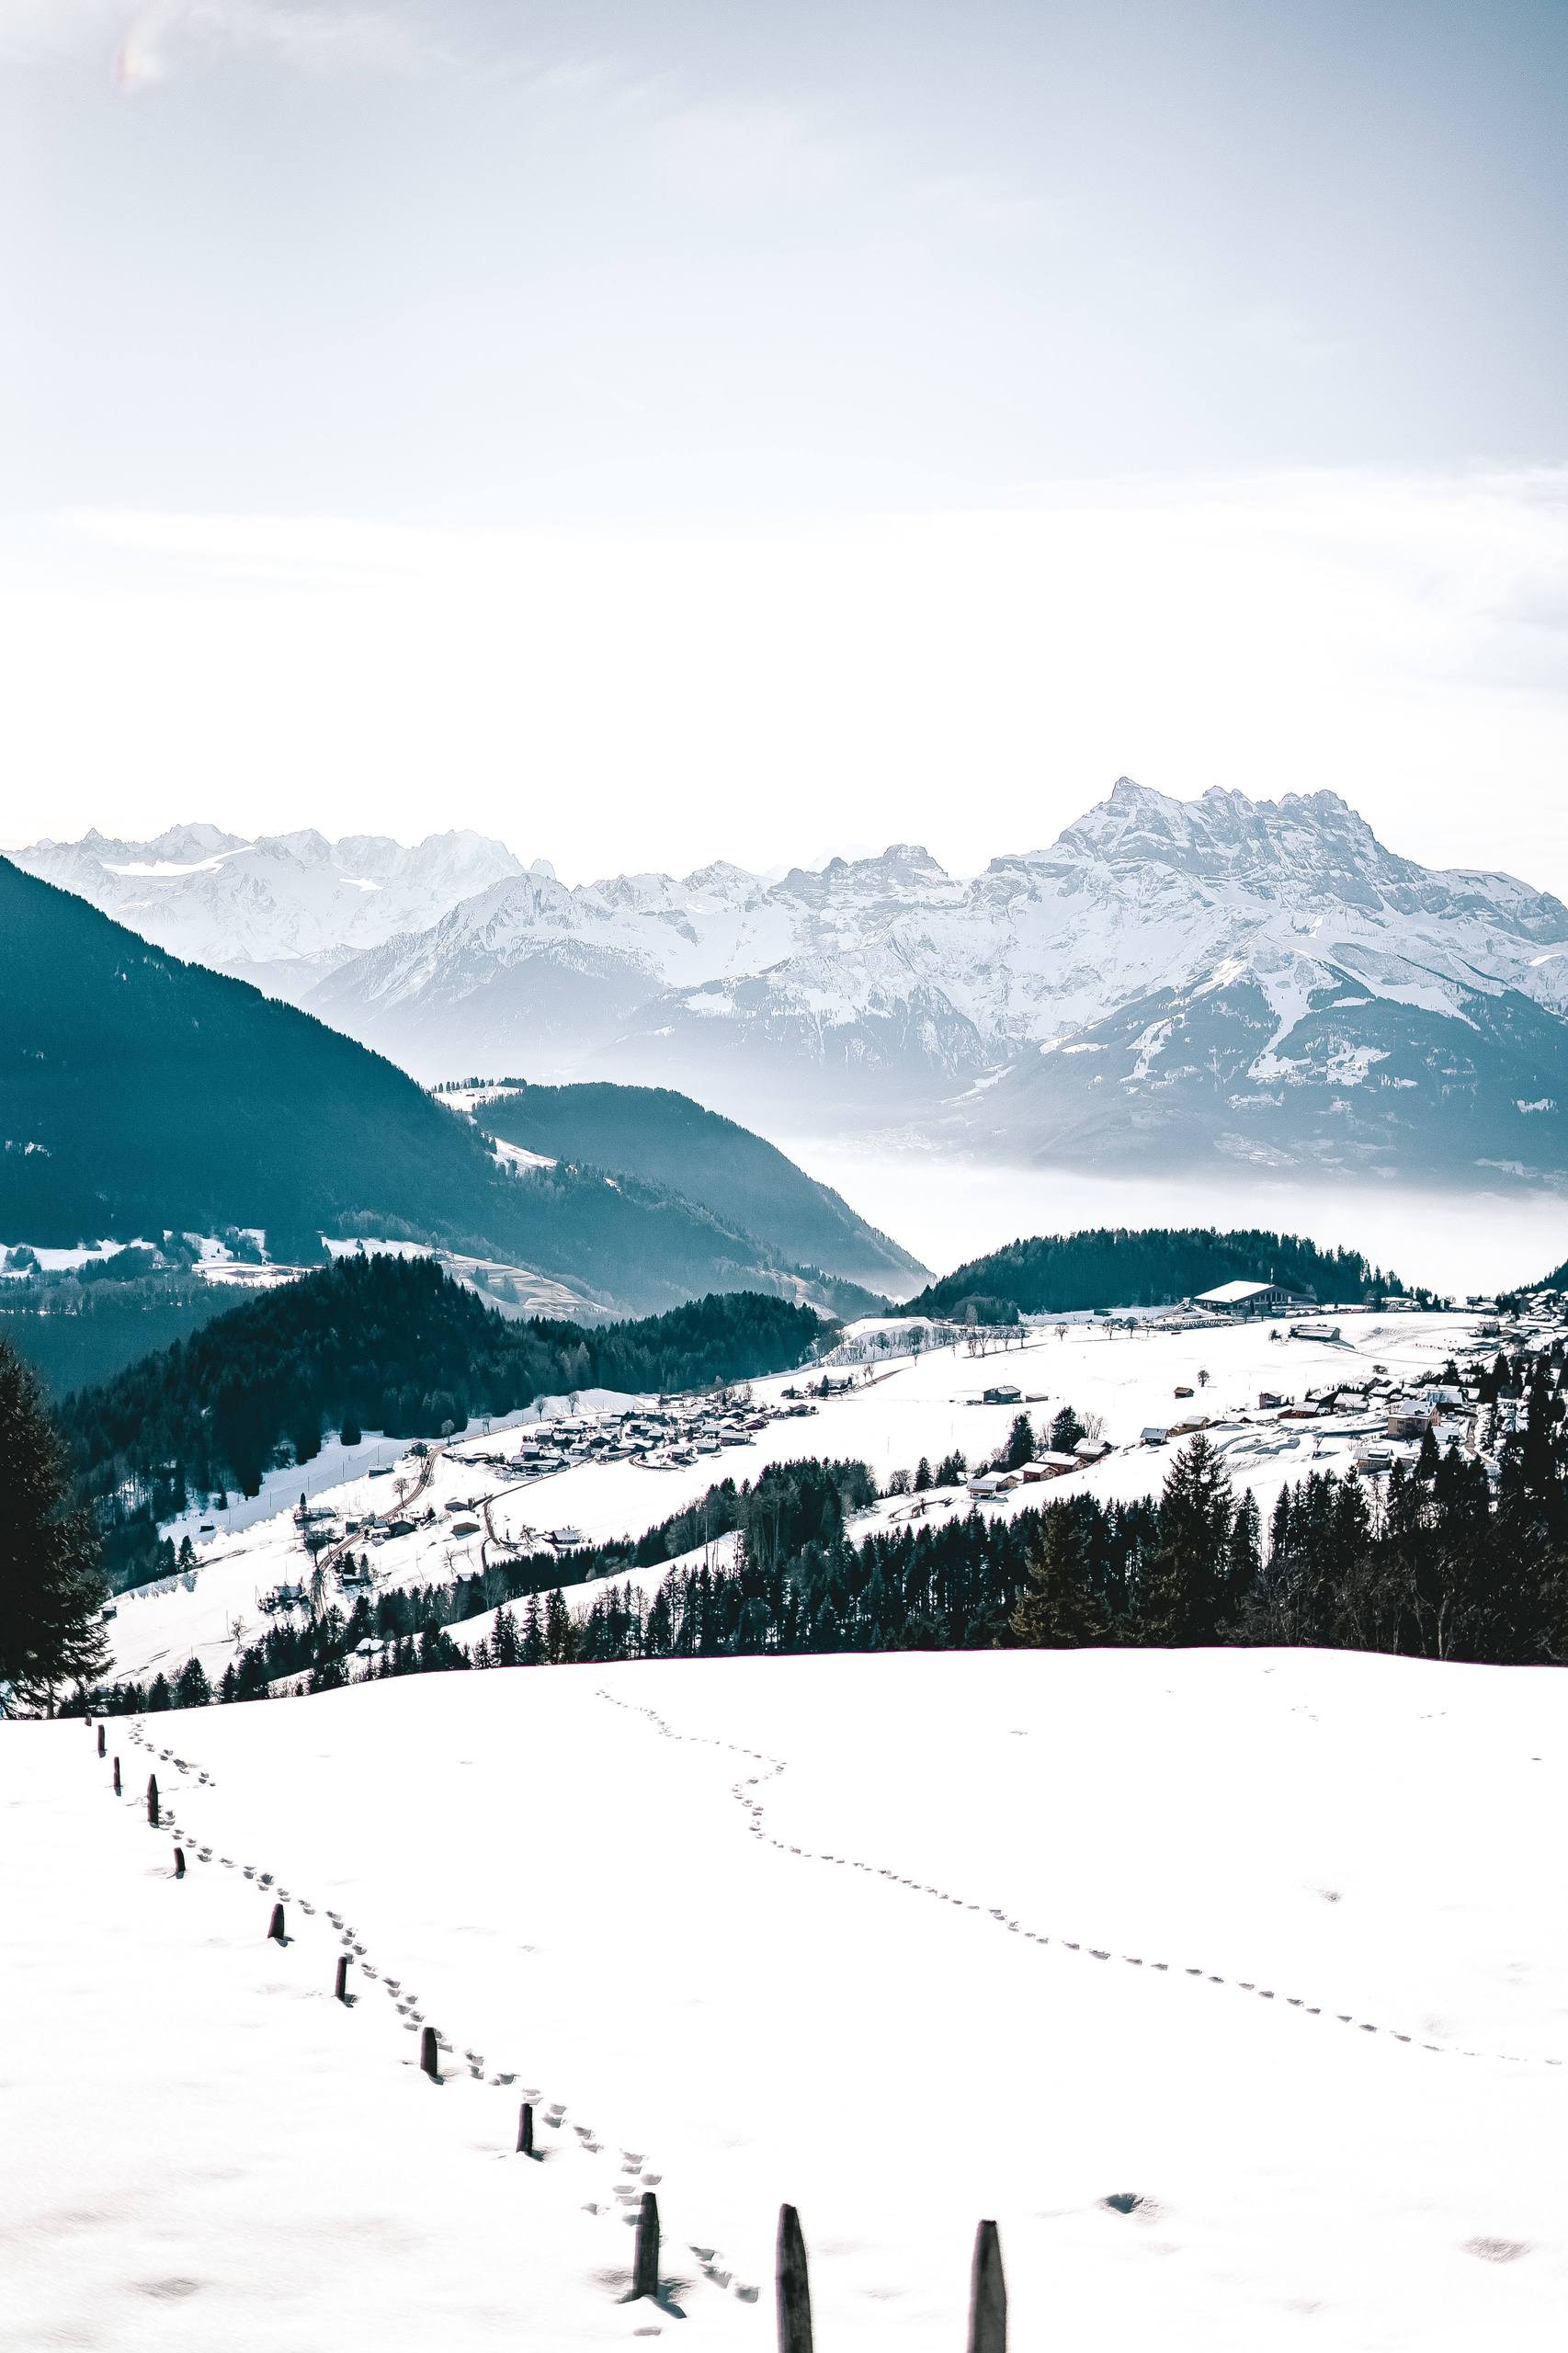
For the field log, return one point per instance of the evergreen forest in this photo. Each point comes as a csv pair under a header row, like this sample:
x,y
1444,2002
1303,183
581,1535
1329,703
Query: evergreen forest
x,y
1110,1267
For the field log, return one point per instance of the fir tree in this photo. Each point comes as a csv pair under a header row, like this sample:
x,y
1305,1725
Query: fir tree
x,y
50,1590
507,1650
191,1687
1065,1431
1063,1610
1020,1447
1184,1599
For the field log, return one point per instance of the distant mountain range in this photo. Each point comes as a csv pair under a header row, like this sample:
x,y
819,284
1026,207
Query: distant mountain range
x,y
141,1095
282,911
1226,981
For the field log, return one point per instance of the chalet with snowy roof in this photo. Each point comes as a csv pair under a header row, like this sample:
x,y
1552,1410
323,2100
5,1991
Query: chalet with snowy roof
x,y
1241,1299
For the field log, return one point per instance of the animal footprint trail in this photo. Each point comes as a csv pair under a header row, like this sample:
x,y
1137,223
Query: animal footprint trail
x,y
757,1827
591,2146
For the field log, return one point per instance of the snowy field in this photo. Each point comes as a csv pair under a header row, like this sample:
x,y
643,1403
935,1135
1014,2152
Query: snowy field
x,y
927,1406
905,1940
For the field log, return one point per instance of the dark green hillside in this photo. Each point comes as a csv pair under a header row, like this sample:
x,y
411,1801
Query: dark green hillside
x,y
72,1335
652,1133
140,1095
1116,1267
374,1343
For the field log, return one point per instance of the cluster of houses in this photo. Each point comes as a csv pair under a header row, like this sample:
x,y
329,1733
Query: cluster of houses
x,y
671,1435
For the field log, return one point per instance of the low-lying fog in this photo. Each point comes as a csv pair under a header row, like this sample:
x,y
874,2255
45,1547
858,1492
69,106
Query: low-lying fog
x,y
948,1208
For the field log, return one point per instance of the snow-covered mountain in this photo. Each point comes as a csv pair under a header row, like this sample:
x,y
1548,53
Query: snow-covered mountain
x,y
1257,980
280,910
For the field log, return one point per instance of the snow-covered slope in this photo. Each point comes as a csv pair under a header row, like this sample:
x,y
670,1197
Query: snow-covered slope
x,y
279,910
1119,1949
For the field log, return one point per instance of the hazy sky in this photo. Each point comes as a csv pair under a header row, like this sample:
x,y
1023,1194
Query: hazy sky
x,y
657,432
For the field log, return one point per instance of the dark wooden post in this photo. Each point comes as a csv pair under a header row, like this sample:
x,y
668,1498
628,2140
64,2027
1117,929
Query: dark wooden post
x,y
429,2056
987,2294
275,1926
340,1986
526,2130
117,1777
794,2285
153,1798
100,1740
645,2264
179,1862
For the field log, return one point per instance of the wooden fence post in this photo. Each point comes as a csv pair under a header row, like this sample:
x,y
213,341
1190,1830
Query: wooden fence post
x,y
340,1984
645,2264
429,2056
153,1798
526,2130
794,2285
987,2294
117,1777
275,1926
100,1740
179,1862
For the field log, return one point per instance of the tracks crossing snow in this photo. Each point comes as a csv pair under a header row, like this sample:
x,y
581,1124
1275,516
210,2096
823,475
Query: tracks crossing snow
x,y
743,1793
633,2171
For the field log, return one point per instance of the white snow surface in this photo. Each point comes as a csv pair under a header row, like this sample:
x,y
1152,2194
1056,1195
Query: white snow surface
x,y
905,1940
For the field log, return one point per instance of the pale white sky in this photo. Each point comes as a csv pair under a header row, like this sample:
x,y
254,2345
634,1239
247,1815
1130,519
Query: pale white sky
x,y
726,430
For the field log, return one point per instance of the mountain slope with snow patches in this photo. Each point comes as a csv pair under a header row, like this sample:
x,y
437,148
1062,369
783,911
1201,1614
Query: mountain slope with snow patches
x,y
278,911
1225,979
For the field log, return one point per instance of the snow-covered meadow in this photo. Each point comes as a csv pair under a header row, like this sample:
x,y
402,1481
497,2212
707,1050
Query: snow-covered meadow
x,y
1120,1949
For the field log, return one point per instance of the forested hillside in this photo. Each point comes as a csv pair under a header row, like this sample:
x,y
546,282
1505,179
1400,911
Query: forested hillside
x,y
73,1335
652,1133
1111,1267
375,1342
139,1095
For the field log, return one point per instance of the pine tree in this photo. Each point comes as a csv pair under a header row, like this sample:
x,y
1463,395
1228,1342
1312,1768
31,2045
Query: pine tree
x,y
1065,1431
51,1591
533,1653
1063,1611
1184,1593
191,1687
1244,1561
506,1649
923,1474
1021,1444
559,1645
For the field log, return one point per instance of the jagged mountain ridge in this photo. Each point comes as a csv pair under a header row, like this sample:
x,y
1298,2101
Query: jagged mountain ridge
x,y
1253,979
279,911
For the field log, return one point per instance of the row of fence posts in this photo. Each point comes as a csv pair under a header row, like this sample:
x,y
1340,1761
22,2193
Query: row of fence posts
x,y
987,2282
